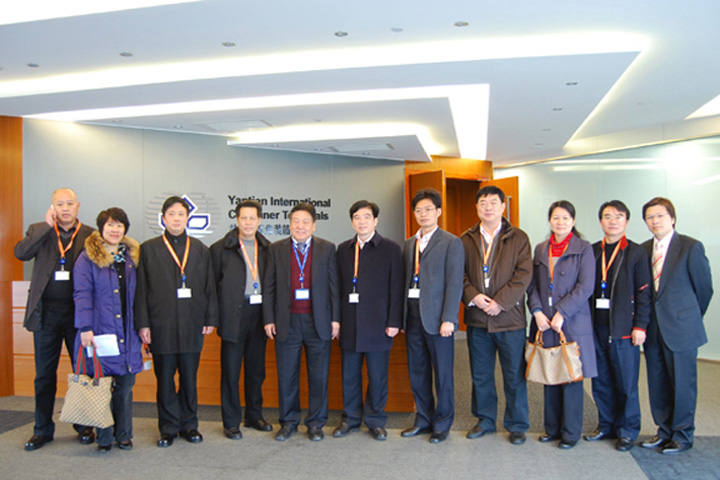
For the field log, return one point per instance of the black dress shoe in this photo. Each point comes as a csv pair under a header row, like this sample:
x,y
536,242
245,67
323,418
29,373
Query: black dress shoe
x,y
546,437
438,437
104,448
672,448
517,438
598,435
37,441
166,439
477,431
259,424
315,434
624,444
285,432
86,436
566,444
343,430
379,433
233,433
192,436
655,442
412,431
125,445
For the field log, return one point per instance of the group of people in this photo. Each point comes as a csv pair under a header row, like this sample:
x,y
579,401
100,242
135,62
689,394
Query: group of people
x,y
303,292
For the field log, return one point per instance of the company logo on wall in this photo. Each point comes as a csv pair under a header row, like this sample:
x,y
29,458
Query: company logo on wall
x,y
202,209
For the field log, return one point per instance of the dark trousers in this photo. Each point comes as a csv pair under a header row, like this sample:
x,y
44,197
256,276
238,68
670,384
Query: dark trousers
x,y
317,357
427,355
121,404
672,387
58,327
177,409
615,389
250,348
483,347
376,395
564,410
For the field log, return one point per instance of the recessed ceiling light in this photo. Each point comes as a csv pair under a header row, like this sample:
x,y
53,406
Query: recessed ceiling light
x,y
117,120
461,24
341,34
557,109
571,84
33,65
546,129
177,127
228,44
126,54
397,29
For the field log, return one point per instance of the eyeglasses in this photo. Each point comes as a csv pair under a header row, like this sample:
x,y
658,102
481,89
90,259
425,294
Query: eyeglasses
x,y
420,211
659,216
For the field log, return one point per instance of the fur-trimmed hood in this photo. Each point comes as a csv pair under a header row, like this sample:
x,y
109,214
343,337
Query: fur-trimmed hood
x,y
101,257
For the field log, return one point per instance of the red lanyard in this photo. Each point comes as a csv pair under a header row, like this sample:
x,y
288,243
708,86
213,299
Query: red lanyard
x,y
486,254
606,269
175,257
253,266
63,250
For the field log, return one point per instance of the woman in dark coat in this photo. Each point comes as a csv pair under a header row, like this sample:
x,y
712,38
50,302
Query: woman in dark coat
x,y
563,280
104,293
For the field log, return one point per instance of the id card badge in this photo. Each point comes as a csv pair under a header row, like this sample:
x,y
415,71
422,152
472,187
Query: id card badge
x,y
602,303
255,299
147,365
487,282
550,301
302,294
62,275
414,293
184,292
354,298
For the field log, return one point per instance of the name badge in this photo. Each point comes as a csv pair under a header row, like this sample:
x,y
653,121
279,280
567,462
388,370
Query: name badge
x,y
602,303
550,301
354,298
255,299
487,282
302,294
62,275
414,293
184,292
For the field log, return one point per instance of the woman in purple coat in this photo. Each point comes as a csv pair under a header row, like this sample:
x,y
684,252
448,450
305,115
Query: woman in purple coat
x,y
104,294
563,280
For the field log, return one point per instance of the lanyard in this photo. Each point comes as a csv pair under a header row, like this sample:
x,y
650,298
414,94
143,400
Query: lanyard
x,y
605,269
486,254
552,265
253,266
416,277
63,250
175,257
301,266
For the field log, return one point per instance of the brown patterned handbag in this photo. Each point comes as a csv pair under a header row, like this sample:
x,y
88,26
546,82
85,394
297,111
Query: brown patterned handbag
x,y
87,401
554,365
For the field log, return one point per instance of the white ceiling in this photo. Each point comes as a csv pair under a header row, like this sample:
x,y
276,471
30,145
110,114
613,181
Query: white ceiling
x,y
570,98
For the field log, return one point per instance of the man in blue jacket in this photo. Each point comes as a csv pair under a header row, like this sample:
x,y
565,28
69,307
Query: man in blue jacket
x,y
621,313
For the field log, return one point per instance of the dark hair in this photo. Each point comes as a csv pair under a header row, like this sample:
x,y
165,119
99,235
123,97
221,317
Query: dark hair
x,y
490,190
172,201
662,202
305,207
617,205
429,193
564,204
364,204
249,203
117,214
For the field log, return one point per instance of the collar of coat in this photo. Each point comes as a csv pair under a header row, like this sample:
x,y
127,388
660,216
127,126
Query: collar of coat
x,y
505,230
232,241
100,256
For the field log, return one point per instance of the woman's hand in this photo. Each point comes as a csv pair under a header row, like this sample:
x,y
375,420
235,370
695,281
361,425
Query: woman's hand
x,y
87,339
541,321
557,321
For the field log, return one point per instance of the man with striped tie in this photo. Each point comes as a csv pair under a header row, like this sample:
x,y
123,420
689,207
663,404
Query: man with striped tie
x,y
682,289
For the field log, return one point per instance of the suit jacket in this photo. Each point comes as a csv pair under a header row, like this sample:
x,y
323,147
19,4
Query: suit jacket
x,y
40,243
441,279
230,276
683,295
381,284
325,290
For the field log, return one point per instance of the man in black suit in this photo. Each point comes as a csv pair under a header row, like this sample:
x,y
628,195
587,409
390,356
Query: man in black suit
x,y
372,286
434,263
239,262
301,308
682,289
50,314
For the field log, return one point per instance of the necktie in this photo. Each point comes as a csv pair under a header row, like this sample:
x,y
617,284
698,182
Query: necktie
x,y
301,247
657,267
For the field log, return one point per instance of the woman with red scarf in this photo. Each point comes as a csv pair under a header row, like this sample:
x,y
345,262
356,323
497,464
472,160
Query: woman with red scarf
x,y
563,281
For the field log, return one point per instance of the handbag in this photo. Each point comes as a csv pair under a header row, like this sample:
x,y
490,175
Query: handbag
x,y
87,401
554,365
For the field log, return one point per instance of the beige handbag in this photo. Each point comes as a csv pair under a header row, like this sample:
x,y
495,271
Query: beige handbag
x,y
554,365
87,401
